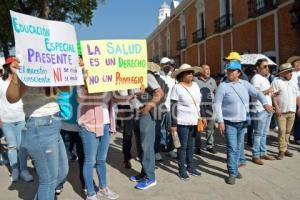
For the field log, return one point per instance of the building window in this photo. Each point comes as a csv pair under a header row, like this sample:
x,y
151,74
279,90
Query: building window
x,y
182,26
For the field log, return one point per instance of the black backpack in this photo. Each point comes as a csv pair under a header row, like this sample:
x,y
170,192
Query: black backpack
x,y
160,108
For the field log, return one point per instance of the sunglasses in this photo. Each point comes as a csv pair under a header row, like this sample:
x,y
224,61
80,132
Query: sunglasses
x,y
265,66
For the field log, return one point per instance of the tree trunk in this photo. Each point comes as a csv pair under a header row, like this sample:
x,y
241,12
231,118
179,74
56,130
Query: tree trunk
x,y
46,10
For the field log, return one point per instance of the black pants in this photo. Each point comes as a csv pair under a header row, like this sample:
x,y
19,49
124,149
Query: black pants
x,y
74,139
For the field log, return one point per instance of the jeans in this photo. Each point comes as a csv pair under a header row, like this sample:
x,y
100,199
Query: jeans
x,y
166,137
145,131
285,124
95,153
13,134
187,135
261,129
41,137
234,134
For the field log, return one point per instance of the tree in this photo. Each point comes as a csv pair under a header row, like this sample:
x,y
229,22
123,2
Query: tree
x,y
73,11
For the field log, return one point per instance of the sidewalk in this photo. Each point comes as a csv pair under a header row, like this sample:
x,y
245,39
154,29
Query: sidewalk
x,y
276,180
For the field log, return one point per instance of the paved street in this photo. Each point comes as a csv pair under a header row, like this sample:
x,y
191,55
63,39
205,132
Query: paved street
x,y
275,180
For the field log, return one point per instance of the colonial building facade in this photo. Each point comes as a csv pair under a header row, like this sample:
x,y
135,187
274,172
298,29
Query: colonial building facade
x,y
205,31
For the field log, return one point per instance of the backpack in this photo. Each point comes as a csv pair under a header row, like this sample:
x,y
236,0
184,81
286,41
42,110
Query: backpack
x,y
163,86
160,108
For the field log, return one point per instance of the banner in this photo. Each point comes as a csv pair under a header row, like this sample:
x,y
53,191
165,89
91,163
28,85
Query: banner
x,y
115,64
47,51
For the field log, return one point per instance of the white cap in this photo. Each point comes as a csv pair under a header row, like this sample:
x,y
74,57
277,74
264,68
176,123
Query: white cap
x,y
164,60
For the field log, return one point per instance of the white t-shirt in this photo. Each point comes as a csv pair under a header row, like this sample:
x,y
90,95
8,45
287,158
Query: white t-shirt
x,y
105,106
261,84
187,111
9,113
37,104
296,78
170,82
288,93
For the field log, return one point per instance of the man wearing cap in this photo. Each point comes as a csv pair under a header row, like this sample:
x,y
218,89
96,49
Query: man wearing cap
x,y
285,101
207,87
231,106
165,122
295,61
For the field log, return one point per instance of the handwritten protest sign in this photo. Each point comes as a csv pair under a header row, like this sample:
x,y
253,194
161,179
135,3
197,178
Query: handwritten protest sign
x,y
47,51
115,64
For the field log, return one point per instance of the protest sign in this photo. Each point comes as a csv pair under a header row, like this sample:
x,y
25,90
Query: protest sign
x,y
115,64
47,51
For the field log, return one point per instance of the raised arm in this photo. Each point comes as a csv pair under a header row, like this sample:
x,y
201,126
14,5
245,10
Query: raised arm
x,y
16,88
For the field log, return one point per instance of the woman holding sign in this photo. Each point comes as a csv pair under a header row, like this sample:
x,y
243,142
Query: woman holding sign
x,y
13,121
41,135
96,121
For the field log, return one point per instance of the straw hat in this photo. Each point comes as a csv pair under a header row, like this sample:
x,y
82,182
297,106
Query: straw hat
x,y
153,67
285,67
293,59
184,68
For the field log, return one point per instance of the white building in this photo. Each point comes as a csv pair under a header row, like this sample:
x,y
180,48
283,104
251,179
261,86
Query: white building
x,y
163,13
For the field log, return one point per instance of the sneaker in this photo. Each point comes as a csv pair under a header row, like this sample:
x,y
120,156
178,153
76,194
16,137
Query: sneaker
x,y
14,175
288,154
158,157
137,178
26,176
212,150
239,176
230,179
267,157
107,193
257,161
183,176
280,155
172,154
94,197
194,172
145,184
58,191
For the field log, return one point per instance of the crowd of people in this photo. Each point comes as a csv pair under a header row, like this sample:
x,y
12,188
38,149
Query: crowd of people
x,y
178,106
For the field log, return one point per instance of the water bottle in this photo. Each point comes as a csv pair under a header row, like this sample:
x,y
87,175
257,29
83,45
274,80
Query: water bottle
x,y
176,140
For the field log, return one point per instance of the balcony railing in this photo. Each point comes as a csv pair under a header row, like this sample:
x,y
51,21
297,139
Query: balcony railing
x,y
223,23
199,35
181,44
260,7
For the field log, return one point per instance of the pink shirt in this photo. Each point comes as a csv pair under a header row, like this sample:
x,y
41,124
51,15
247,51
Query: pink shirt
x,y
90,111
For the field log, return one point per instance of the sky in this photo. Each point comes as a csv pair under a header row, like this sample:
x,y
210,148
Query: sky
x,y
122,19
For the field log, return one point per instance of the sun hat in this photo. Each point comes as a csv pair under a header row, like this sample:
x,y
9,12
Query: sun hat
x,y
233,56
164,60
233,65
184,68
285,67
153,67
293,59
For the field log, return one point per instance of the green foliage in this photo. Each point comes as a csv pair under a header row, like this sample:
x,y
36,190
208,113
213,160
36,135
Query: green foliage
x,y
73,11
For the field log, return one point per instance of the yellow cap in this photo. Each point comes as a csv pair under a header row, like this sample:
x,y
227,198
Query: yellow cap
x,y
233,56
